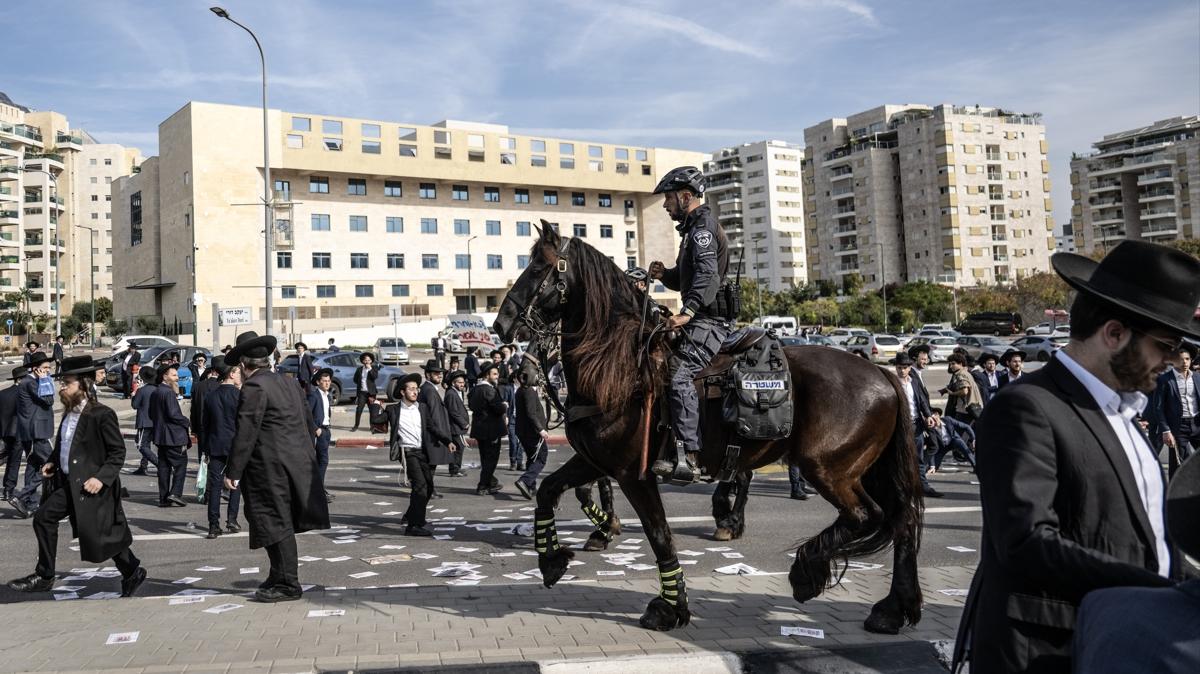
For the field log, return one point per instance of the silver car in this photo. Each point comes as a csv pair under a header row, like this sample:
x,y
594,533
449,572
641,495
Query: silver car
x,y
392,351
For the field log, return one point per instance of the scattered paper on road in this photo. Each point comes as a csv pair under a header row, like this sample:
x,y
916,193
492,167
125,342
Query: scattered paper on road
x,y
955,592
960,548
363,574
223,608
216,568
442,537
326,612
504,554
732,555
192,592
388,559
383,503
392,547
738,569
122,638
610,573
68,588
342,558
862,566
424,555
639,567
451,572
517,576
193,599
62,596
719,549
341,541
248,569
186,581
103,595
790,631
690,553
305,558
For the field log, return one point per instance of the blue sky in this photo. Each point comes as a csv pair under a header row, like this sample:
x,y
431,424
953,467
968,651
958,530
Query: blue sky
x,y
696,75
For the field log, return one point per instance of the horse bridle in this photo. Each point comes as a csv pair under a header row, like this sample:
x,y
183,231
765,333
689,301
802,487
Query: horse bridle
x,y
555,276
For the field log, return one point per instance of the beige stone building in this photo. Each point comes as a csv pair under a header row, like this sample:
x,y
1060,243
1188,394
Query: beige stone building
x,y
54,180
369,215
950,194
1137,184
756,191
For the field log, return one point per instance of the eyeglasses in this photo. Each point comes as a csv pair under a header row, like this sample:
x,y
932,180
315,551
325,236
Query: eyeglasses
x,y
1166,345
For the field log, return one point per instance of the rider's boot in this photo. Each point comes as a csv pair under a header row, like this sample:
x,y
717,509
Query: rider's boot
x,y
679,467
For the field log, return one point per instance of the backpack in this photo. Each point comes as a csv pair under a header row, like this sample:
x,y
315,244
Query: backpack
x,y
758,400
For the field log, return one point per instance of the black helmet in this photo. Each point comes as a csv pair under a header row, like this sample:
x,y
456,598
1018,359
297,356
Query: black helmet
x,y
682,178
637,274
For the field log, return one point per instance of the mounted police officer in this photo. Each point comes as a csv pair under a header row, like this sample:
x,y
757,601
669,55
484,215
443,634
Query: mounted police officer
x,y
698,273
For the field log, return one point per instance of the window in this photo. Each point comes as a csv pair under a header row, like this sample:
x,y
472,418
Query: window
x,y
287,292
429,225
538,160
537,145
364,291
94,180
331,127
520,196
95,197
283,260
579,230
407,133
393,188
283,188
566,148
495,262
462,227
639,155
578,199
429,261
606,231
333,144
91,162
320,222
370,130
550,198
595,152
595,165
301,124
295,141
408,150
360,261
428,191
508,143
356,186
459,193
508,158
395,260
523,229
645,169
95,216
326,291
322,261
107,180
522,261
318,185
441,137
566,162
491,194
462,261
371,147
135,218
622,153
630,262
492,228
435,290
399,290
604,200
395,225
630,238
358,223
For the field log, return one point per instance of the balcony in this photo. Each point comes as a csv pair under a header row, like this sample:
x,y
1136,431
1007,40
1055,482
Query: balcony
x,y
1165,229
1101,203
730,214
993,156
1117,218
1104,185
1000,238
1154,177
10,262
10,149
731,169
6,194
46,160
731,199
999,258
843,230
846,249
848,269
840,175
1154,213
21,131
9,172
1156,194
10,217
1110,234
68,141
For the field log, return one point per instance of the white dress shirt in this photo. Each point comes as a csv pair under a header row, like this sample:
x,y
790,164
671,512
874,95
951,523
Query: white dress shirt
x,y
992,381
1187,394
68,435
1120,410
409,426
912,398
325,406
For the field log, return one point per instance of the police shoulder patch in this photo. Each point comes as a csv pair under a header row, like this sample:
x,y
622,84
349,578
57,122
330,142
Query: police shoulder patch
x,y
703,238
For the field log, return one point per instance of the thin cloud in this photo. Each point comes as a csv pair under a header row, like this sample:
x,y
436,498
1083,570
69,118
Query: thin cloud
x,y
682,27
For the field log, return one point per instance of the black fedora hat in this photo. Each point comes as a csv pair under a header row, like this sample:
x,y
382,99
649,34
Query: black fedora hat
x,y
300,345
148,373
432,365
321,373
19,372
218,365
412,376
487,366
1183,507
76,365
1008,355
1153,282
986,356
920,348
251,345
38,358
902,359
455,374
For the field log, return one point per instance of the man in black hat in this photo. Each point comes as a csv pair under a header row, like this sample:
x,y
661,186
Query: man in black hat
x,y
218,428
409,422
305,368
319,405
1142,629
1071,488
273,462
922,416
144,423
987,377
455,401
204,383
1176,411
133,359
441,449
1014,364
30,349
172,437
35,428
84,484
488,425
364,386
11,451
56,352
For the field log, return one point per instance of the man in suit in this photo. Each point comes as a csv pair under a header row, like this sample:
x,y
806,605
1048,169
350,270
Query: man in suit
x,y
951,435
1176,406
133,359
1072,491
273,462
472,367
455,401
987,377
56,352
488,426
11,451
215,438
84,484
30,349
409,421
440,344
206,382
364,386
532,430
1014,364
331,347
441,448
143,423
172,437
918,408
306,370
507,386
319,406
35,428
1141,629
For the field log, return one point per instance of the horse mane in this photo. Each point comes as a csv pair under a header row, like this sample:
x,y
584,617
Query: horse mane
x,y
607,346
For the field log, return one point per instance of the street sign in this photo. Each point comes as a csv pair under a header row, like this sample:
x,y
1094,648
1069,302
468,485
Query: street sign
x,y
9,322
291,313
234,316
471,331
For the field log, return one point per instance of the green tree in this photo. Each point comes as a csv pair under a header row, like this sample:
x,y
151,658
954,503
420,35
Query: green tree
x,y
1189,246
852,284
83,310
1038,292
985,298
865,310
115,327
926,302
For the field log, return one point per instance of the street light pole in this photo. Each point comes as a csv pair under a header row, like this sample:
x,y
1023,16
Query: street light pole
x,y
883,283
470,288
758,273
268,225
92,281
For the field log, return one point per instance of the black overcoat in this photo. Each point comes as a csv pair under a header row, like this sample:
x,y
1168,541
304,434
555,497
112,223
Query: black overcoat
x,y
487,413
275,458
97,450
438,422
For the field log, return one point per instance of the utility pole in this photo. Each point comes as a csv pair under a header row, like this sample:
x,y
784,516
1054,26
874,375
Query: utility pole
x,y
883,283
92,278
757,272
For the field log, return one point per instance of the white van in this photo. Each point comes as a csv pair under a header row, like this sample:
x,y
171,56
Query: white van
x,y
784,325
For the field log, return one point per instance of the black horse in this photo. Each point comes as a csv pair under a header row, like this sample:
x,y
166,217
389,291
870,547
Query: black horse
x,y
853,437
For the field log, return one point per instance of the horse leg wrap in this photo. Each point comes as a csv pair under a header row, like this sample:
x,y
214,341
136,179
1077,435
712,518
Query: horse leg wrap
x,y
599,519
545,535
670,575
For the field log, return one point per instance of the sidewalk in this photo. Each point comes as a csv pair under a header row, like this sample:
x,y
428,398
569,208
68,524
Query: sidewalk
x,y
470,626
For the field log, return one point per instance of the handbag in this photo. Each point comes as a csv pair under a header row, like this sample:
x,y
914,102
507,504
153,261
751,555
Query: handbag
x,y
202,480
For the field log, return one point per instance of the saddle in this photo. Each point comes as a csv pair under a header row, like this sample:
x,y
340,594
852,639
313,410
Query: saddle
x,y
738,341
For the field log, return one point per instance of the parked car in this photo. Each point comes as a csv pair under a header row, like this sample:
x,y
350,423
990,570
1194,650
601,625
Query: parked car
x,y
991,323
343,364
114,371
878,348
940,348
1049,329
143,341
977,346
935,326
841,336
1035,347
793,340
822,340
392,351
784,325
